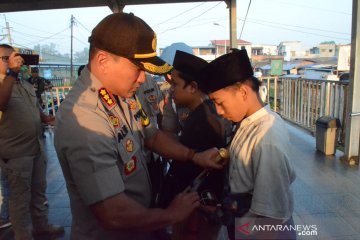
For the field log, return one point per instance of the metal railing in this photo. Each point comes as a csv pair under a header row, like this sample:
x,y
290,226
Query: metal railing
x,y
303,101
300,101
53,98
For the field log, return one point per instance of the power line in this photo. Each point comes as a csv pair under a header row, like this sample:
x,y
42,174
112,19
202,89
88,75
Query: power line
x,y
316,29
312,7
51,36
30,27
190,19
82,25
315,34
167,20
247,11
80,41
31,35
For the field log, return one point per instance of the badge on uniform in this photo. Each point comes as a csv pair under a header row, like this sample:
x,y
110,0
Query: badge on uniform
x,y
145,121
130,166
129,145
132,104
114,120
107,98
151,98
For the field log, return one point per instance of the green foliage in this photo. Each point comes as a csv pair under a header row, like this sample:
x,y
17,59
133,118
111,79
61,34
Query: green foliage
x,y
49,53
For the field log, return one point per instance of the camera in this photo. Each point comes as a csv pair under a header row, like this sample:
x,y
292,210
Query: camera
x,y
30,59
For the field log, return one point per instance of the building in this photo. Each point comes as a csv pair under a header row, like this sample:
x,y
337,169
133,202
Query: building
x,y
291,50
207,53
221,45
264,50
327,49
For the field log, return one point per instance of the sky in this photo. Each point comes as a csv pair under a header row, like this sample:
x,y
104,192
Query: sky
x,y
196,24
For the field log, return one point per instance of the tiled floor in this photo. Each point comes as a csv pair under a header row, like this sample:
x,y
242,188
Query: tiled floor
x,y
327,192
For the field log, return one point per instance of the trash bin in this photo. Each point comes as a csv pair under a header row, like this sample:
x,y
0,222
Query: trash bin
x,y
326,134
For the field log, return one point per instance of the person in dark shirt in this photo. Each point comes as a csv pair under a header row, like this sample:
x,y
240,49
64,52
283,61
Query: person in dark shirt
x,y
203,129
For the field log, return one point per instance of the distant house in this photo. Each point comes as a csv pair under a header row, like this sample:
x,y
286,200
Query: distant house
x,y
207,53
289,68
263,50
221,45
327,49
320,72
291,50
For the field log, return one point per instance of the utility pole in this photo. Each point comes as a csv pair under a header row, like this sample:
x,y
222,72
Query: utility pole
x,y
217,24
7,27
72,22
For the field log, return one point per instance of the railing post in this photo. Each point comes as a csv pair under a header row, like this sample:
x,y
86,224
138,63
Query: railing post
x,y
275,94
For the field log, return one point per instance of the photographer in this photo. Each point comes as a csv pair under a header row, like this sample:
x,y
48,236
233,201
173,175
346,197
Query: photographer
x,y
21,157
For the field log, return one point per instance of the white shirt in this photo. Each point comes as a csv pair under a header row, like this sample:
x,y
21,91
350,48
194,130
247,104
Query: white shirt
x,y
260,164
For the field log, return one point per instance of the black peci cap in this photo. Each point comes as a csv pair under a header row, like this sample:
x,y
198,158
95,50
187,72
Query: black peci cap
x,y
189,64
126,35
225,71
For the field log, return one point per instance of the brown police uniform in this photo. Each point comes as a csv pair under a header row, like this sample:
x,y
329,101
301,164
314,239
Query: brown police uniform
x,y
99,141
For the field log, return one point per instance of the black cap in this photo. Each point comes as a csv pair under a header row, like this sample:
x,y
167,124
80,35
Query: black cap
x,y
225,71
189,64
126,35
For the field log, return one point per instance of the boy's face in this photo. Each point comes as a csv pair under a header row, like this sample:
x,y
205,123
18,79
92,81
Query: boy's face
x,y
230,103
181,94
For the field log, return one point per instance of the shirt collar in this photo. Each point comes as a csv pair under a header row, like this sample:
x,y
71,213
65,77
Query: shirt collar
x,y
255,116
89,79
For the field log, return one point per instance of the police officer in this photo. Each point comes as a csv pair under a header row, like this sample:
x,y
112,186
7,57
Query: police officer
x,y
21,153
101,133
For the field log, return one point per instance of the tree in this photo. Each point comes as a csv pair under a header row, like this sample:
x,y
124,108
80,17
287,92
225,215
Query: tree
x,y
47,49
82,57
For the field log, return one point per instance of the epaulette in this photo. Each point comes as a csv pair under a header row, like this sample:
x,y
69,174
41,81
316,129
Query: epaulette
x,y
107,98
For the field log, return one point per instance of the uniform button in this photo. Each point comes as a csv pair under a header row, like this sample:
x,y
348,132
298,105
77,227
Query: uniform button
x,y
93,89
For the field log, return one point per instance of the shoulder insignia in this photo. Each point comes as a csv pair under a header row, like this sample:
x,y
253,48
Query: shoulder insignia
x,y
107,98
130,166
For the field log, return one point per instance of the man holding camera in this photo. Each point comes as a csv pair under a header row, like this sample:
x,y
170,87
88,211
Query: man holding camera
x,y
21,156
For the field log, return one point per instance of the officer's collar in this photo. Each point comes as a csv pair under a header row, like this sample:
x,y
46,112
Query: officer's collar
x,y
90,80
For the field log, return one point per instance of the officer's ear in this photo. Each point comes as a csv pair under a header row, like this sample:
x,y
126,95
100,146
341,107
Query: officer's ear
x,y
102,59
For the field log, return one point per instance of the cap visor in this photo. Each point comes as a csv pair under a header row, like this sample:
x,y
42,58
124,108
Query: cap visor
x,y
154,65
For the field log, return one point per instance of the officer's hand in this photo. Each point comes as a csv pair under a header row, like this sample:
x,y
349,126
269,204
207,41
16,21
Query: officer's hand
x,y
209,159
183,205
15,62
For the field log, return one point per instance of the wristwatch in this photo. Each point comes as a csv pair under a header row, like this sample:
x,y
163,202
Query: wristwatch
x,y
10,72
